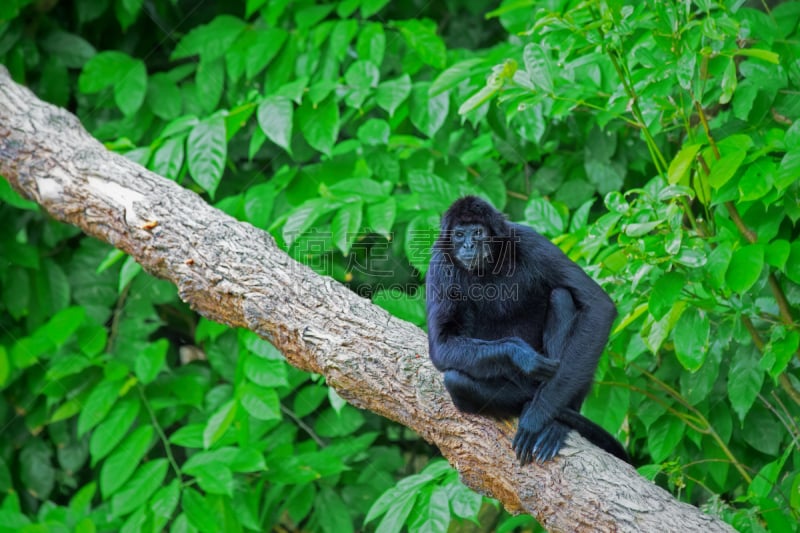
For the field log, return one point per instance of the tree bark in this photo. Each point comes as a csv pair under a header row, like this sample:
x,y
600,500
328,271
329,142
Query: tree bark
x,y
235,274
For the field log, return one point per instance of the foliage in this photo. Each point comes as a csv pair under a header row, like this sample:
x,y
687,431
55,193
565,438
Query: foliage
x,y
655,142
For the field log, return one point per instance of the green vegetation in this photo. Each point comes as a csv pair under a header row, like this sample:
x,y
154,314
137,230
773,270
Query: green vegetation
x,y
656,142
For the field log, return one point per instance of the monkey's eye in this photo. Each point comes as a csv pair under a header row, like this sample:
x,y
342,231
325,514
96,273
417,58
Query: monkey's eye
x,y
479,232
459,235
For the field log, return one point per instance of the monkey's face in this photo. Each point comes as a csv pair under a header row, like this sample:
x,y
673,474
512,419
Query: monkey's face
x,y
470,245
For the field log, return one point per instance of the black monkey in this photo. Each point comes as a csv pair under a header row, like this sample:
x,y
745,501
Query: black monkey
x,y
516,327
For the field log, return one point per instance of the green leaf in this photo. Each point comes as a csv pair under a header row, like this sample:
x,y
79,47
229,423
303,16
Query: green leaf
x,y
780,351
764,431
666,291
374,132
604,176
66,410
434,192
302,218
788,169
382,504
265,372
27,350
680,165
544,218
728,83
36,469
659,330
168,158
55,84
209,81
793,262
259,51
361,77
103,70
757,180
113,429
663,436
137,491
130,87
420,236
421,37
259,402
320,124
125,460
248,460
165,500
744,380
777,252
275,115
309,399
370,7
61,327
201,515
475,101
190,436
213,478
342,33
717,265
207,150
724,169
345,225
539,66
580,218
745,267
381,217
337,402
371,44
466,503
98,404
392,93
431,510
5,367
765,55
73,50
210,41
258,203
332,513
219,423
454,75
127,12
12,197
638,229
691,338
130,269
333,424
395,517
150,362
428,113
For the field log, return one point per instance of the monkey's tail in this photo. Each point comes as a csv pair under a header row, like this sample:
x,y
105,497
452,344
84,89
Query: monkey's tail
x,y
594,433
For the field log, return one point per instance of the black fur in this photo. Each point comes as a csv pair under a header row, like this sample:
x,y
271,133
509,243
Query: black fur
x,y
517,331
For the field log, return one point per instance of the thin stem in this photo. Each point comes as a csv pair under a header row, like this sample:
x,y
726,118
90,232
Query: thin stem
x,y
751,237
161,434
709,429
302,425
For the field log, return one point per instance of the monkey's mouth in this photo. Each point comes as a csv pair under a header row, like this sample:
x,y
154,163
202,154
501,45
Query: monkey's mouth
x,y
471,260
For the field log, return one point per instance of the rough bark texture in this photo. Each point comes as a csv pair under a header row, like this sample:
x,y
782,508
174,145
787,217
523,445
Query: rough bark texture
x,y
234,273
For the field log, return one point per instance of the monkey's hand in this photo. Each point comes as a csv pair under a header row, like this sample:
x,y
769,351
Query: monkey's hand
x,y
530,361
537,437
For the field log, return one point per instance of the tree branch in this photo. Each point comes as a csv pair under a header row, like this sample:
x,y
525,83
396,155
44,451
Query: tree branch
x,y
233,273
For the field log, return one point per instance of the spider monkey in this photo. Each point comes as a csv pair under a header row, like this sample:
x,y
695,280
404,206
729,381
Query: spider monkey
x,y
516,327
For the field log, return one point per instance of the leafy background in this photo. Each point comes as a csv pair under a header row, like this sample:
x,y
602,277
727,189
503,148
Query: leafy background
x,y
658,143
